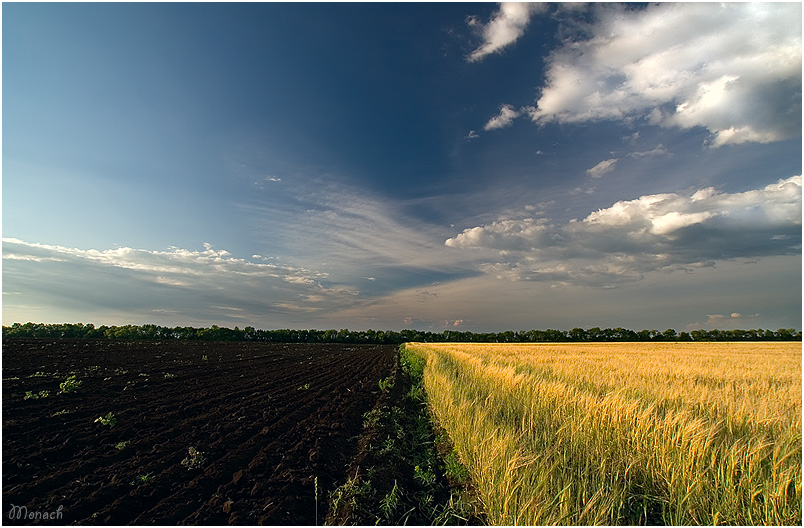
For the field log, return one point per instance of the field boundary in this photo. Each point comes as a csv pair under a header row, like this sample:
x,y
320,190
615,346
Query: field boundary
x,y
405,471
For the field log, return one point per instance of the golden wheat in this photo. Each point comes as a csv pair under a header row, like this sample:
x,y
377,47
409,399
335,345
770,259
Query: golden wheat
x,y
625,433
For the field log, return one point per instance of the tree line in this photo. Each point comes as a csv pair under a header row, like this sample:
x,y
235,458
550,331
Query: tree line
x,y
249,333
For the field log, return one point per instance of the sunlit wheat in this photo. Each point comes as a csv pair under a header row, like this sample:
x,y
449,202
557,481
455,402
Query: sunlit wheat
x,y
634,433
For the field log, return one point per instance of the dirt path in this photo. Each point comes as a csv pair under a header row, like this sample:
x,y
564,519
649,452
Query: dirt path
x,y
269,420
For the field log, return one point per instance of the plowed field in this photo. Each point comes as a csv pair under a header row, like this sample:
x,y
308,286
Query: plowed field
x,y
269,420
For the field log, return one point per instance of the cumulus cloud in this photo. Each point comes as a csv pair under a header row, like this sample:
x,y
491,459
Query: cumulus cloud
x,y
504,119
602,168
670,231
733,69
507,24
506,235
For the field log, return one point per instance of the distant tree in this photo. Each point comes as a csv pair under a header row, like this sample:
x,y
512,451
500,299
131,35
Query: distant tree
x,y
577,334
249,333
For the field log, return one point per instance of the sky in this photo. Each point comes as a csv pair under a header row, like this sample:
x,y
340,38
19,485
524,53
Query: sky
x,y
469,166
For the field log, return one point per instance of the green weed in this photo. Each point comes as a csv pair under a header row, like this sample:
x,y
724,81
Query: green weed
x,y
389,503
142,479
372,418
31,396
71,384
455,470
349,491
194,459
110,419
404,479
386,384
424,475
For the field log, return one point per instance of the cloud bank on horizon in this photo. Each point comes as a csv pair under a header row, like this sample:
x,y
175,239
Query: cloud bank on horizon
x,y
624,165
661,232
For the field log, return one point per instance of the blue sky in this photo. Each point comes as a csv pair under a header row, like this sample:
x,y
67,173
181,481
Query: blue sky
x,y
474,166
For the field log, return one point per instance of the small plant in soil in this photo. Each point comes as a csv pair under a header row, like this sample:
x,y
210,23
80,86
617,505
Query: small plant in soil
x,y
110,419
120,446
29,395
142,479
386,384
304,387
425,476
70,384
194,459
389,503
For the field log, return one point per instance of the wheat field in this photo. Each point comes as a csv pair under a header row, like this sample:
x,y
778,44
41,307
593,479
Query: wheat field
x,y
624,433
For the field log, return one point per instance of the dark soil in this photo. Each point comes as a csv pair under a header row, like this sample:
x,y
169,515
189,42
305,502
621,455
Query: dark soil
x,y
269,420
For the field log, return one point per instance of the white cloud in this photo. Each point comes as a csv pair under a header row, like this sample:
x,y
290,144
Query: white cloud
x,y
602,168
734,69
504,119
189,283
506,235
658,151
507,24
177,261
668,232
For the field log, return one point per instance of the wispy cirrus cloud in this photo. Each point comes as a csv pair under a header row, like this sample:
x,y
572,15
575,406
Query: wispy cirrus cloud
x,y
734,69
658,151
670,231
352,230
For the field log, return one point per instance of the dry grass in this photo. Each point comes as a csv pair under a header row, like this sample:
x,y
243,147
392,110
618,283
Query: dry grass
x,y
625,433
